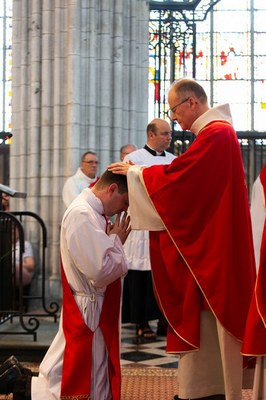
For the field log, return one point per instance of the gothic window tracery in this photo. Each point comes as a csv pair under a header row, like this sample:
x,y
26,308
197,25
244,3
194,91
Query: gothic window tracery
x,y
221,44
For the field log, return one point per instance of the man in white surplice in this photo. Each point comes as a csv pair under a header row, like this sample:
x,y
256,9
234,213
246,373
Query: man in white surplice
x,y
139,303
92,259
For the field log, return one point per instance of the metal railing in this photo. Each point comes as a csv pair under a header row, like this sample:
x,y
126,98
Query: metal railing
x,y
13,295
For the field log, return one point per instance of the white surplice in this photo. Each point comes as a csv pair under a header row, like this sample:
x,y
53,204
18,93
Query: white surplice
x,y
258,213
137,247
74,186
91,261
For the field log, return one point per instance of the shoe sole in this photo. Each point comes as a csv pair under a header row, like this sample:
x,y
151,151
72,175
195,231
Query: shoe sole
x,y
8,363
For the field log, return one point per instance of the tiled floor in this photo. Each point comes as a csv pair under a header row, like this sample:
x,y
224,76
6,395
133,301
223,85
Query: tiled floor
x,y
142,352
135,353
151,354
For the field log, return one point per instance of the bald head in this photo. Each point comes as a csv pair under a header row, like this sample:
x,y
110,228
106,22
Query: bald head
x,y
159,134
187,100
189,87
127,149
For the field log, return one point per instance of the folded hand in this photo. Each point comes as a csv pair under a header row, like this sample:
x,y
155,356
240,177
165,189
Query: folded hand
x,y
121,227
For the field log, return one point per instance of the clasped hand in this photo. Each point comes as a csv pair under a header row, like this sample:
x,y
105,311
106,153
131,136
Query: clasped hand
x,y
120,227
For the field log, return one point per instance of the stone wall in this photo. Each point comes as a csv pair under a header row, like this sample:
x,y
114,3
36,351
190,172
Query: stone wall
x,y
80,81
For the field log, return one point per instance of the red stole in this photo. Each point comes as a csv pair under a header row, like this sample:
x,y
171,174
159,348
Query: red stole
x,y
206,249
255,336
76,374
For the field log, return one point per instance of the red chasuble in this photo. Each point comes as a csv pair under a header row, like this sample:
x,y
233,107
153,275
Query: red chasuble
x,y
76,376
205,256
255,337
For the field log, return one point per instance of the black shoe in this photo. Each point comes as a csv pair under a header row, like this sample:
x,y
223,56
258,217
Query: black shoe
x,y
162,328
176,397
8,363
8,379
13,361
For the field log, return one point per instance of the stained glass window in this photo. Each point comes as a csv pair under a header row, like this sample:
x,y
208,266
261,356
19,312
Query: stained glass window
x,y
225,52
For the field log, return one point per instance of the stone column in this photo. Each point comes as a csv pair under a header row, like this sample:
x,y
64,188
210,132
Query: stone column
x,y
80,81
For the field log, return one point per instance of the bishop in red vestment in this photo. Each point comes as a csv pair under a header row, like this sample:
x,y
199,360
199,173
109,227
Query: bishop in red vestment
x,y
202,251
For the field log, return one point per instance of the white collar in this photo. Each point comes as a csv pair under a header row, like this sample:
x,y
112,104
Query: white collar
x,y
221,113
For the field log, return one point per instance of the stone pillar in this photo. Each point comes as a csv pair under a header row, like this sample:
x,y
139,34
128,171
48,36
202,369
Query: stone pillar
x,y
80,81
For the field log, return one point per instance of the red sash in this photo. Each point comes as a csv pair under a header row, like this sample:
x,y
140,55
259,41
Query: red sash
x,y
76,374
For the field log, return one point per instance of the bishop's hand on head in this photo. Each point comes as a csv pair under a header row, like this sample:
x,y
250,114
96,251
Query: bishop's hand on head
x,y
120,167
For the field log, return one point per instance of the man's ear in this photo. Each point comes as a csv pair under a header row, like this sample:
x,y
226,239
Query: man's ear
x,y
150,134
192,102
112,188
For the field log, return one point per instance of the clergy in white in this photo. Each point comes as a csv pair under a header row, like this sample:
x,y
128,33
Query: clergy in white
x,y
83,360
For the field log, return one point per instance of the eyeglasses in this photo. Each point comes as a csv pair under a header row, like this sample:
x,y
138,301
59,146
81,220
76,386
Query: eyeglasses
x,y
91,162
171,111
